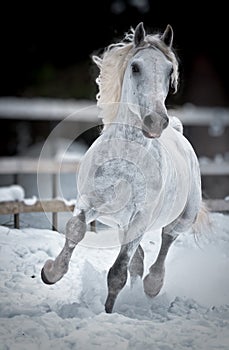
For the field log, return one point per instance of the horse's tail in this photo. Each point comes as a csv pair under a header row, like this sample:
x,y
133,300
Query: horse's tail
x,y
202,222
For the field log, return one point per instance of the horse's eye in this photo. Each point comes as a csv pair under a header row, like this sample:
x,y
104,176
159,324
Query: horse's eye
x,y
135,68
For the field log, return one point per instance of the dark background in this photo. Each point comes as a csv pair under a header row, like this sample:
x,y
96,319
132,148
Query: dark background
x,y
46,52
46,49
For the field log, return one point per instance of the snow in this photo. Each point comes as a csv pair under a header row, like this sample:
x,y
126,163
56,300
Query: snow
x,y
191,311
11,193
15,193
30,201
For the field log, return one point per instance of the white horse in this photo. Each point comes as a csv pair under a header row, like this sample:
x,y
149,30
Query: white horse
x,y
141,173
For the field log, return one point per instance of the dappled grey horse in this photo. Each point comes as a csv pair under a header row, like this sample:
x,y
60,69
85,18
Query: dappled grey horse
x,y
141,173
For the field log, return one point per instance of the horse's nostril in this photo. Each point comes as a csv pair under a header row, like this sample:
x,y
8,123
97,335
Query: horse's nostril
x,y
152,120
166,122
148,122
154,123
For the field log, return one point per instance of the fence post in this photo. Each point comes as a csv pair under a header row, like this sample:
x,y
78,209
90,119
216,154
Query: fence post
x,y
16,216
54,195
93,226
16,221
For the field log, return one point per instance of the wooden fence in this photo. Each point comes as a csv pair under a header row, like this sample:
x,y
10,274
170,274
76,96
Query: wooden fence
x,y
19,165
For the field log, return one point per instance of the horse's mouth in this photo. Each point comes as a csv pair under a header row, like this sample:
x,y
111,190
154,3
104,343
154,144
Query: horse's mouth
x,y
150,134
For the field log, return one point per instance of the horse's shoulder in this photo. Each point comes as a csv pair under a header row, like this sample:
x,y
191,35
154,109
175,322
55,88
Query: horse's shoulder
x,y
176,124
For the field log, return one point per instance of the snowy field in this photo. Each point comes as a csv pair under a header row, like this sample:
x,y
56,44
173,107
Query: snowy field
x,y
191,311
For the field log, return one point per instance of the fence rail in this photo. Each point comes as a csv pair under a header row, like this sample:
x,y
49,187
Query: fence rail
x,y
48,206
48,109
87,111
22,165
58,206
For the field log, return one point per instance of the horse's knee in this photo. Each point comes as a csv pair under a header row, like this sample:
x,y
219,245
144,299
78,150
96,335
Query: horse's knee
x,y
76,229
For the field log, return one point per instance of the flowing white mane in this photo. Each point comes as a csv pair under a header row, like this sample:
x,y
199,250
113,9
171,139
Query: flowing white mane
x,y
112,65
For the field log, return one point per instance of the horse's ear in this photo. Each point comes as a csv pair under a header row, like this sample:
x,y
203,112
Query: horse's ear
x,y
167,36
139,35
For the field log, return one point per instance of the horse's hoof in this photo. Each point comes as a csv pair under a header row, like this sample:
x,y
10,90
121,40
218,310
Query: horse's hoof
x,y
152,285
108,310
44,279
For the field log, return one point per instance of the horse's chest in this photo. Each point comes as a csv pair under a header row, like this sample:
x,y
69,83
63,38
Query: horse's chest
x,y
120,181
116,189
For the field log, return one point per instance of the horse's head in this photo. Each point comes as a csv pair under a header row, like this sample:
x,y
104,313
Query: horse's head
x,y
148,76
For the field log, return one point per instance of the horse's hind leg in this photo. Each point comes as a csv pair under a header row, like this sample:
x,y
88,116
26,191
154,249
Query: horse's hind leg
x,y
153,282
136,267
53,271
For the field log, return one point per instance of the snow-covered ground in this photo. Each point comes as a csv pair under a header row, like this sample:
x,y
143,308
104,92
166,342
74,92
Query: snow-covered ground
x,y
191,311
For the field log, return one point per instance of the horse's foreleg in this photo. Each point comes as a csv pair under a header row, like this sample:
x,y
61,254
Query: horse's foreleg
x,y
136,267
54,270
153,282
117,275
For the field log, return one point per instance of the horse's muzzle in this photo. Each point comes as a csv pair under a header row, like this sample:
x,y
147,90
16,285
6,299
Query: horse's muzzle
x,y
154,124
